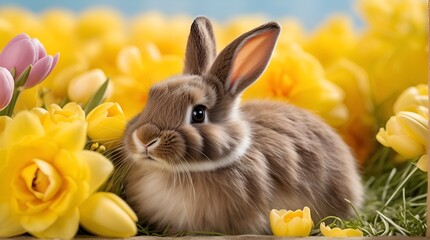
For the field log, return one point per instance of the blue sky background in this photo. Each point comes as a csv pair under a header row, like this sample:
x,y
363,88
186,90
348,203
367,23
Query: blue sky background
x,y
309,12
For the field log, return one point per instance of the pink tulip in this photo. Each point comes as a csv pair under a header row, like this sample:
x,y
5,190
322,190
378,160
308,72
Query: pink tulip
x,y
19,53
23,51
40,50
41,69
6,87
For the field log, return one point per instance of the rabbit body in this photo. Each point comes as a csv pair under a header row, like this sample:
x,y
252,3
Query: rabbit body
x,y
225,171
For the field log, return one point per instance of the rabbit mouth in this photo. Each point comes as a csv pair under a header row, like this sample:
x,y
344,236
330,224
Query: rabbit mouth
x,y
147,157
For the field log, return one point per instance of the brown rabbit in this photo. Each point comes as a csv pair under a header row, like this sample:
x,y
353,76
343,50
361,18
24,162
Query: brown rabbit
x,y
203,162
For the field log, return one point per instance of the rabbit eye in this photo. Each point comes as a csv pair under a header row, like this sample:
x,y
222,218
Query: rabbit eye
x,y
198,114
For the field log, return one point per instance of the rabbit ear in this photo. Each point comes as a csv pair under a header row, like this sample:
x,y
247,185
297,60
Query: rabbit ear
x,y
246,58
201,49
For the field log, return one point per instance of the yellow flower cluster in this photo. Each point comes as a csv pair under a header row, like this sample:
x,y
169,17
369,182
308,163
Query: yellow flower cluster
x,y
335,71
394,48
407,131
48,179
299,224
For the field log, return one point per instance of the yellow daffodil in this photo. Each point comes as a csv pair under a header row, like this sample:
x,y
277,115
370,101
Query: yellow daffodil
x,y
139,70
359,127
4,121
46,175
334,40
96,23
288,223
105,214
150,28
337,232
295,76
82,87
106,124
55,116
393,49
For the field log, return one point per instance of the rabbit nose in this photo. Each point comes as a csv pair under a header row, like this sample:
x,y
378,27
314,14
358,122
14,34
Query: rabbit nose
x,y
147,133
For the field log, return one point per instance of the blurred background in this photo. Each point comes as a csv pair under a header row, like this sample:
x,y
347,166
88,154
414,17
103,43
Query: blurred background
x,y
309,12
345,60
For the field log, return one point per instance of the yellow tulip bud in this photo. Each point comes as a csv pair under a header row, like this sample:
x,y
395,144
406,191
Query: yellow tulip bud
x,y
337,232
61,81
82,87
106,124
129,61
288,223
105,214
406,133
416,125
412,98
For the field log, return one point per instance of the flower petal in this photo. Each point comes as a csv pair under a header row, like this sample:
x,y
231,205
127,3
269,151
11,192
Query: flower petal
x,y
54,62
23,126
100,168
9,223
40,49
71,136
18,55
65,227
405,146
123,205
6,87
39,71
67,198
38,222
416,124
103,214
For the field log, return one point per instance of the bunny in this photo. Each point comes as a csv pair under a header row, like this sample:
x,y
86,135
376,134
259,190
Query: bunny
x,y
204,162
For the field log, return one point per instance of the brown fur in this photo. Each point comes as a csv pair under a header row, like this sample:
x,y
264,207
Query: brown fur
x,y
226,174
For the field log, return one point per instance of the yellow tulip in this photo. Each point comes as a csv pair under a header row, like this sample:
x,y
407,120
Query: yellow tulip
x,y
406,133
106,124
105,214
60,81
288,223
412,99
129,61
46,175
337,232
82,87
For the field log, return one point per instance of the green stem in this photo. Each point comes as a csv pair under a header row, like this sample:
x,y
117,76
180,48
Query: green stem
x,y
8,111
399,187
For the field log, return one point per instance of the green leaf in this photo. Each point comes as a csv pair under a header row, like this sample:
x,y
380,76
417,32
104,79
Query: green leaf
x,y
20,81
97,98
